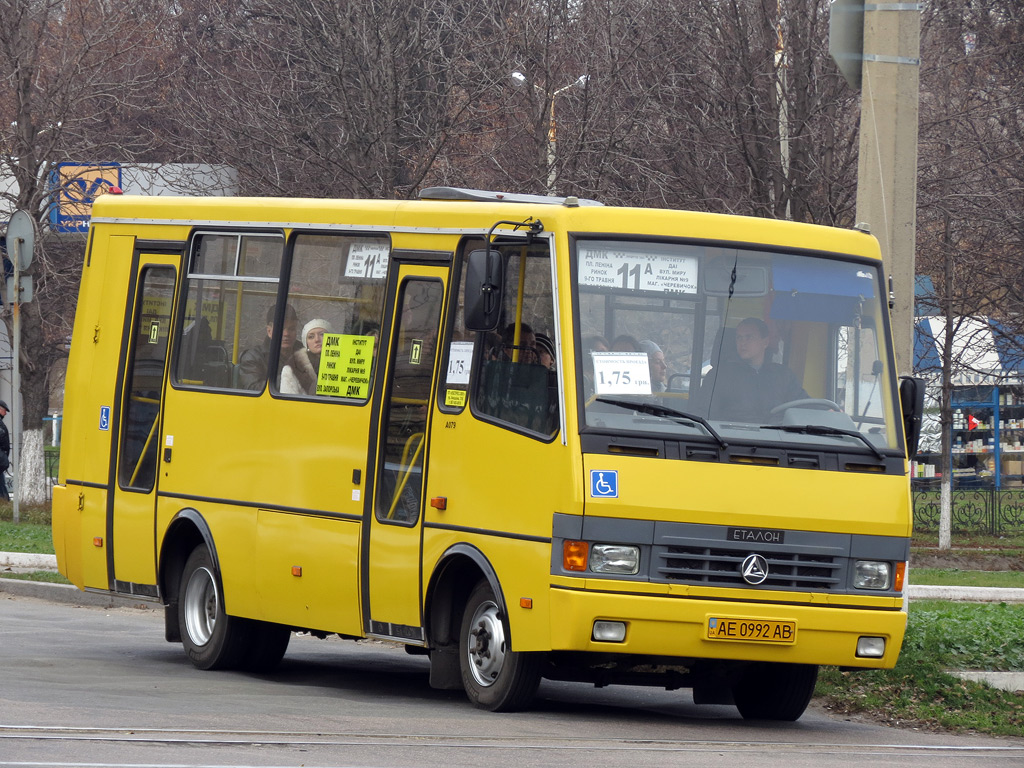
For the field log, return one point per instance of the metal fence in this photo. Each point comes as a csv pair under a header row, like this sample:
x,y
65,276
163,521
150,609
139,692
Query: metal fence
x,y
52,464
984,510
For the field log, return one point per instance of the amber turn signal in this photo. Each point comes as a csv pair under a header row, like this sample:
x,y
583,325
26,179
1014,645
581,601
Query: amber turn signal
x,y
574,555
901,575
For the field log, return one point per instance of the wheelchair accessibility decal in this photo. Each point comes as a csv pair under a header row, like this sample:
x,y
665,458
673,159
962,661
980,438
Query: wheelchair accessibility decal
x,y
604,483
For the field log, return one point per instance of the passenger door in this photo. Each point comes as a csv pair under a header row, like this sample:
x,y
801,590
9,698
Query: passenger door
x,y
132,510
392,545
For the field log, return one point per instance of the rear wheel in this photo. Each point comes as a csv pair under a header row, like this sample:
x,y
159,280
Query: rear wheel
x,y
775,691
495,677
211,638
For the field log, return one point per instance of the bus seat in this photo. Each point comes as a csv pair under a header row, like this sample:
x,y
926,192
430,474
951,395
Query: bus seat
x,y
216,368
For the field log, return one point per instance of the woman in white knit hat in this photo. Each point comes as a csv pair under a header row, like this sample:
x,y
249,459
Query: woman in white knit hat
x,y
299,376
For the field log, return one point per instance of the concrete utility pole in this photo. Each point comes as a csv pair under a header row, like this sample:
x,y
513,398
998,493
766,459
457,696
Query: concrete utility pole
x,y
887,171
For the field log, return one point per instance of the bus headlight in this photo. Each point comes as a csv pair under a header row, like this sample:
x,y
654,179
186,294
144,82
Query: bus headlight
x,y
872,574
614,558
870,647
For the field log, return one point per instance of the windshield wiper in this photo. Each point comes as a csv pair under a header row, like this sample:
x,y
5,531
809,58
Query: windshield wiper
x,y
663,411
817,429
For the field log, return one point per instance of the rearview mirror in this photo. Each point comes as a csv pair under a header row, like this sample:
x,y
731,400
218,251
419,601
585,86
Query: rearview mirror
x,y
912,407
485,275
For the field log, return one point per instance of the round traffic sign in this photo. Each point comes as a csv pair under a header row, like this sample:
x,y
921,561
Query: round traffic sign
x,y
21,238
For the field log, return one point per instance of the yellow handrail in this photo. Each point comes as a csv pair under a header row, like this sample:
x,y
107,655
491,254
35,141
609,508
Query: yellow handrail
x,y
406,469
149,439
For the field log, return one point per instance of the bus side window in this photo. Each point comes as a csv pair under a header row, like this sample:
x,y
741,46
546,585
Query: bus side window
x,y
336,286
232,281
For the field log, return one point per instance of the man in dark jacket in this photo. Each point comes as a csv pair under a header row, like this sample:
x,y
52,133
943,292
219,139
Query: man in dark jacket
x,y
253,363
747,389
5,452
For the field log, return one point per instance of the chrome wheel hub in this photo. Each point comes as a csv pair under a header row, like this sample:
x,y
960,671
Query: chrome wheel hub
x,y
202,603
487,645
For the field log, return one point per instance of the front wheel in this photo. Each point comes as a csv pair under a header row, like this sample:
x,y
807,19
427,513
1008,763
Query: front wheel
x,y
211,638
769,691
495,677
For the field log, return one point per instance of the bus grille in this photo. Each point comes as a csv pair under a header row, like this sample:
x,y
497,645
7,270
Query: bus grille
x,y
721,567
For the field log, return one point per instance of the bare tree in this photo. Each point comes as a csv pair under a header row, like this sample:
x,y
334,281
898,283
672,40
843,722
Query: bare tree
x,y
69,68
970,194
331,98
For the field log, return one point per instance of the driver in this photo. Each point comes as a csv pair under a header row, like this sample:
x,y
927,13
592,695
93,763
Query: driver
x,y
748,388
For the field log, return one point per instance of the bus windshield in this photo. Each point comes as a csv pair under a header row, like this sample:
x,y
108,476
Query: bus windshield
x,y
734,344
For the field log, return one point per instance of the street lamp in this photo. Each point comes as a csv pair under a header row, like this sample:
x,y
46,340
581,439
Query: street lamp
x,y
582,80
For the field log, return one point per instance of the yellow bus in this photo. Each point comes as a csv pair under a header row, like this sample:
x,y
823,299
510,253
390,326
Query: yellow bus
x,y
530,437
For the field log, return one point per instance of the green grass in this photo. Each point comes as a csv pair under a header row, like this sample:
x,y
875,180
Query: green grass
x,y
954,577
1010,542
920,692
31,534
26,537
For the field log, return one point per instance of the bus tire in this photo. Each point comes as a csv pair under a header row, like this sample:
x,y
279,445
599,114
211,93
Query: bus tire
x,y
768,691
495,677
211,638
266,646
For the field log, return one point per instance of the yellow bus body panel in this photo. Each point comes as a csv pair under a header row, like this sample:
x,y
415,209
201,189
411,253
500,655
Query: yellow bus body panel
x,y
258,545
754,496
79,511
502,490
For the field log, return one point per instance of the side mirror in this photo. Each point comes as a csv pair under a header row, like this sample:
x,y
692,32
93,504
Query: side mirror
x,y
912,407
485,275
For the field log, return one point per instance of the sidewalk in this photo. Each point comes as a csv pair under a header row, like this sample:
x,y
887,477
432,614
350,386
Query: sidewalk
x,y
56,593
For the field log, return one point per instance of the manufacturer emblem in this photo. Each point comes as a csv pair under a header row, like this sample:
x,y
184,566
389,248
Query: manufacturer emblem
x,y
754,569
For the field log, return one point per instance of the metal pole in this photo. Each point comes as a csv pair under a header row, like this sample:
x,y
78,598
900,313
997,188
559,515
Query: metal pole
x,y
887,172
15,294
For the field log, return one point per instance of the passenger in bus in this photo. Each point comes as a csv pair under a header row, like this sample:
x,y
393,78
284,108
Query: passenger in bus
x,y
748,388
299,375
545,352
656,363
625,343
371,328
596,344
527,344
253,363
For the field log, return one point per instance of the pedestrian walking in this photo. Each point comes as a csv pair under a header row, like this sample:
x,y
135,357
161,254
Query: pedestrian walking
x,y
5,451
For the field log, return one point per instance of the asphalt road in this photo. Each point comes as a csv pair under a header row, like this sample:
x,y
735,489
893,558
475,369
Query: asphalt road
x,y
91,686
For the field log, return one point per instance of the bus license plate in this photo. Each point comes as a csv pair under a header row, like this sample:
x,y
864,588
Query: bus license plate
x,y
750,630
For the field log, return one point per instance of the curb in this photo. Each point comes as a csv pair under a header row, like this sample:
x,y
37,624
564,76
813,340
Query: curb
x,y
966,594
29,562
68,593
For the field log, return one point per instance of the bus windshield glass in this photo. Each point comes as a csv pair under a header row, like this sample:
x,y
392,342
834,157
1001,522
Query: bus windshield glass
x,y
734,344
